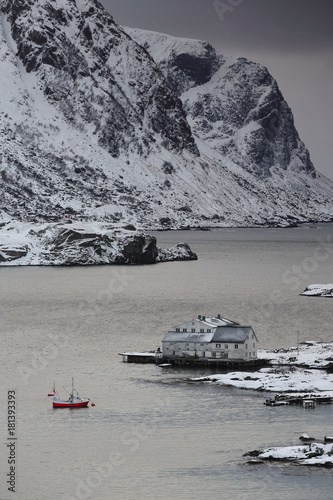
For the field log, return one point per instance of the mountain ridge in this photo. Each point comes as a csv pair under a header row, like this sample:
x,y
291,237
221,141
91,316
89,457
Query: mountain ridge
x,y
95,125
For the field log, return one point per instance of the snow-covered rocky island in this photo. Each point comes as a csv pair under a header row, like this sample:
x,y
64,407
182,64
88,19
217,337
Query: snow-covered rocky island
x,y
311,453
79,243
318,290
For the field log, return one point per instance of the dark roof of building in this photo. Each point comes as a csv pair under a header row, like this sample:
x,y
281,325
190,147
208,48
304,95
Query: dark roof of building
x,y
187,337
231,334
208,322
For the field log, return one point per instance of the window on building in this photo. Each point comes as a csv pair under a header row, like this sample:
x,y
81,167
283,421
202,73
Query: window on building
x,y
202,345
202,330
177,329
193,330
184,329
209,330
236,346
254,345
218,345
245,346
226,346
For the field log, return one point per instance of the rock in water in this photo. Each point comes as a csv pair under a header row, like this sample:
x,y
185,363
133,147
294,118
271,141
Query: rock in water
x,y
181,251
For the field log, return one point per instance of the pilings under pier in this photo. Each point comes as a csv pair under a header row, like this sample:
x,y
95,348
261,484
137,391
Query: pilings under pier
x,y
225,364
155,357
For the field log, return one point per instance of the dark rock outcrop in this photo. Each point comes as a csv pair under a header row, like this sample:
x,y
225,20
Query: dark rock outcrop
x,y
141,249
12,253
181,251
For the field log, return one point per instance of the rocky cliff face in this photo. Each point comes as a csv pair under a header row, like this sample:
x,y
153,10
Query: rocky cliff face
x,y
103,123
84,65
234,105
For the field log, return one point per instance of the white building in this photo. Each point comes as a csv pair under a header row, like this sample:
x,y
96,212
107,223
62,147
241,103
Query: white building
x,y
216,338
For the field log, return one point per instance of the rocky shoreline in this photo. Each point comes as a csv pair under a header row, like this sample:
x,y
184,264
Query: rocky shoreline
x,y
69,244
319,290
310,453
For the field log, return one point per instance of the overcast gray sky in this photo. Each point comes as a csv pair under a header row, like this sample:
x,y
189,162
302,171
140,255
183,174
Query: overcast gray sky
x,y
293,38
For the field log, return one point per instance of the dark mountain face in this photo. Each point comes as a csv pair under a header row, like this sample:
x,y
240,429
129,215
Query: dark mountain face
x,y
185,70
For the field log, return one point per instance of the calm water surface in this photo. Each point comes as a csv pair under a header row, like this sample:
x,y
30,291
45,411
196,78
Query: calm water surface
x,y
152,434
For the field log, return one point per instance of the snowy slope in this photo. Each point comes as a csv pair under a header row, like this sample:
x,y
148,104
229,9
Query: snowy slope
x,y
103,128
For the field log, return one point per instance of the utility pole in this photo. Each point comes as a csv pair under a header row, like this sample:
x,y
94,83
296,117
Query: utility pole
x,y
297,343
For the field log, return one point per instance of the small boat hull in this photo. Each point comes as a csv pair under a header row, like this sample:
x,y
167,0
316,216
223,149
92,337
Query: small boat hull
x,y
66,404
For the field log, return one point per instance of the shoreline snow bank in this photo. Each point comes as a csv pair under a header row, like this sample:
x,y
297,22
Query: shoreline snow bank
x,y
310,354
318,290
276,380
319,454
283,378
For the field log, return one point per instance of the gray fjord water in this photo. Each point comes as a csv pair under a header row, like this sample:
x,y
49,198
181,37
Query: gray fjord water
x,y
152,433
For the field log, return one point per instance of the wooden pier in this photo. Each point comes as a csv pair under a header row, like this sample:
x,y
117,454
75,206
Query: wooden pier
x,y
155,357
225,364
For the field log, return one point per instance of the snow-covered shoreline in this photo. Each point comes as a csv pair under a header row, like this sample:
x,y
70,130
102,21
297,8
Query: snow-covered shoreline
x,y
301,370
309,354
312,453
278,380
319,290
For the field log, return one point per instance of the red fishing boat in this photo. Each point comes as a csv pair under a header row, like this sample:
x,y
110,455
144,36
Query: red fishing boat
x,y
74,400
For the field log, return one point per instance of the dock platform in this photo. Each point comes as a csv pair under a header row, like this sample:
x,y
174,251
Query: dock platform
x,y
155,357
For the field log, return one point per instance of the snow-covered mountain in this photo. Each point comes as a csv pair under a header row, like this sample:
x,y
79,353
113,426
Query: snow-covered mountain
x,y
123,125
233,105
